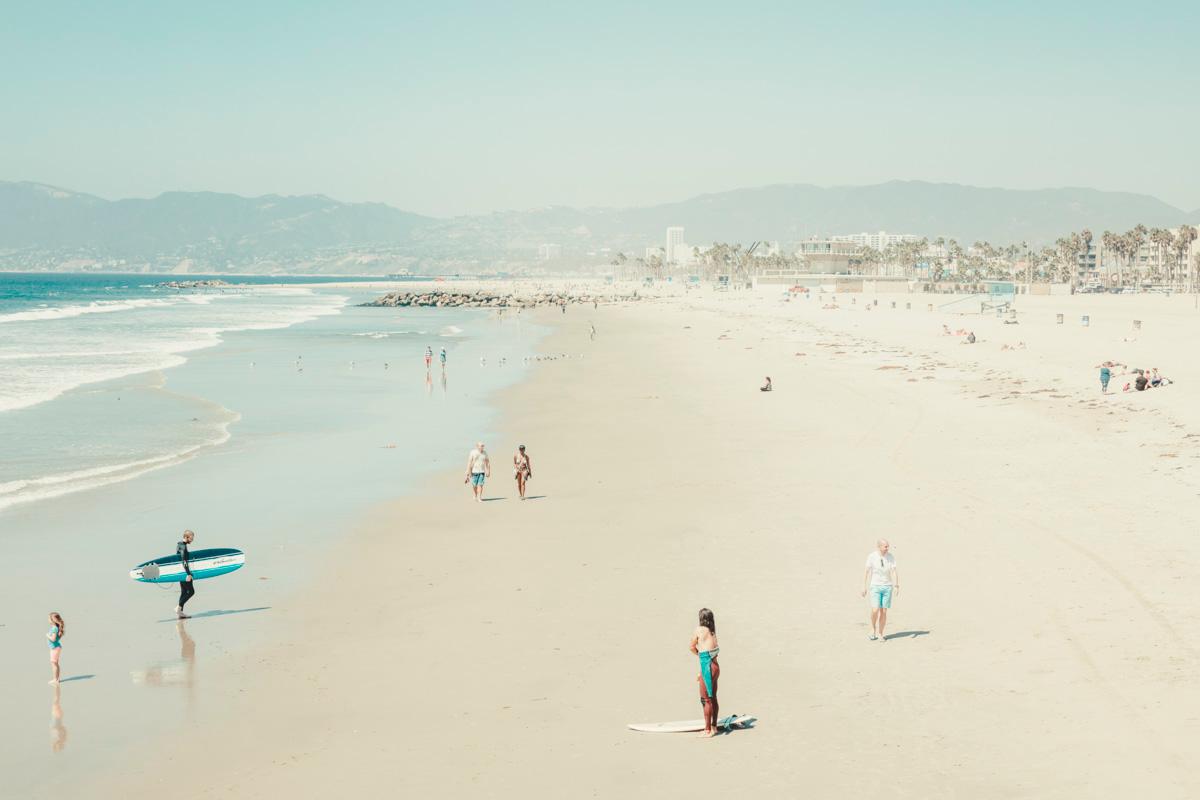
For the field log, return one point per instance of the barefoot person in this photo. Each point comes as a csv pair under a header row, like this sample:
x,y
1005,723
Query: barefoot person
x,y
479,468
54,636
704,645
522,469
880,580
187,586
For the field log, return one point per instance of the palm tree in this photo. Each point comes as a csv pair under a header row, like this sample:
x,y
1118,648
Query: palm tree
x,y
1182,244
1111,243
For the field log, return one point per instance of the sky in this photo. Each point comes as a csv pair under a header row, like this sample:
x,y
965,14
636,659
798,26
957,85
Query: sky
x,y
453,108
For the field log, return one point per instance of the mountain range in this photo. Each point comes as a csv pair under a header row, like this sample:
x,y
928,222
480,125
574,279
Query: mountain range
x,y
40,223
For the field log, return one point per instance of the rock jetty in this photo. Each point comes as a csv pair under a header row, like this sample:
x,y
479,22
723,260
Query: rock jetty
x,y
488,299
209,284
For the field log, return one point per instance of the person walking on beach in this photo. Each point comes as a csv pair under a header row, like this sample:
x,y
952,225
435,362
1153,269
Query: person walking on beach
x,y
442,358
1105,377
704,645
428,357
187,586
522,469
479,468
54,636
881,580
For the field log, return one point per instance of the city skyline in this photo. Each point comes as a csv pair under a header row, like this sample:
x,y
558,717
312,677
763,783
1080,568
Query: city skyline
x,y
468,109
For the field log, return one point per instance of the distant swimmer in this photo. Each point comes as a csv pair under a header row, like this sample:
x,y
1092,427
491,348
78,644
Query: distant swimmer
x,y
186,586
428,356
351,365
58,629
881,580
593,333
479,468
766,387
385,365
442,357
704,645
522,469
482,361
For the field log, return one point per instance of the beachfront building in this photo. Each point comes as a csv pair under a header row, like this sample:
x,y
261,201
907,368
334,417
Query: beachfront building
x,y
876,241
549,252
827,256
675,248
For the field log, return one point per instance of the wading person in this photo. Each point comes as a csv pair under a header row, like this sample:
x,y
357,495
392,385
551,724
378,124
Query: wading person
x,y
187,586
880,581
704,645
479,468
522,469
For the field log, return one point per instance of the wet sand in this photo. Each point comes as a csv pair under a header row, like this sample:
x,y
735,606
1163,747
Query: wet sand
x,y
1040,646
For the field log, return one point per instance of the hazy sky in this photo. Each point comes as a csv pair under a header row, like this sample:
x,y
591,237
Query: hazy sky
x,y
450,108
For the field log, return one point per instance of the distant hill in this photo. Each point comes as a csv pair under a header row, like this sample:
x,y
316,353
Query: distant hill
x,y
215,230
33,215
967,213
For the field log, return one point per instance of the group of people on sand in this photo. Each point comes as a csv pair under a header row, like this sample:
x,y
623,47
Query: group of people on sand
x,y
881,585
1147,378
968,336
479,469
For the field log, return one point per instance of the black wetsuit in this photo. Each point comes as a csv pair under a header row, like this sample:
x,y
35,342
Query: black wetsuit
x,y
186,588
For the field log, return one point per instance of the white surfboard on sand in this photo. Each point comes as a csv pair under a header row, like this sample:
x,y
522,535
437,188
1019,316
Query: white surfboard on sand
x,y
693,725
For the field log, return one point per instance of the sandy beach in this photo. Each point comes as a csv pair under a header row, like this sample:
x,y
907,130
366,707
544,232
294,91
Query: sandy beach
x,y
1040,647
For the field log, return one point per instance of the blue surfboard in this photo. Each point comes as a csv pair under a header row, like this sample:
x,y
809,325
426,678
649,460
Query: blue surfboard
x,y
204,563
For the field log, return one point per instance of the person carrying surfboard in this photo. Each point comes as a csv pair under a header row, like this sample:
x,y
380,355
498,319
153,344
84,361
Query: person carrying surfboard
x,y
187,586
704,645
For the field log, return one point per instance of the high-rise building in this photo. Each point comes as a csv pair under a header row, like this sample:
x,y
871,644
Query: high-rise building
x,y
674,240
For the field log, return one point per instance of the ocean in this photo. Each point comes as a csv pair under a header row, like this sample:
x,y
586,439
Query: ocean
x,y
91,386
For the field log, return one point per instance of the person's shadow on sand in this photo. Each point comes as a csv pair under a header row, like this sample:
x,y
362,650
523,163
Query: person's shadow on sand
x,y
905,635
77,678
218,613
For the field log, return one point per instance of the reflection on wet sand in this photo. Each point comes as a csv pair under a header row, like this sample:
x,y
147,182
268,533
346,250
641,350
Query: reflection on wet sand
x,y
443,381
58,729
178,673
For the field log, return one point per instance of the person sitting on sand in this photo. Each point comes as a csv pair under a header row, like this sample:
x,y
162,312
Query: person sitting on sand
x,y
704,645
58,629
1155,379
766,387
1142,382
970,338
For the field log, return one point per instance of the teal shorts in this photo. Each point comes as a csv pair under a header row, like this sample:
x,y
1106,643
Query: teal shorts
x,y
881,596
477,478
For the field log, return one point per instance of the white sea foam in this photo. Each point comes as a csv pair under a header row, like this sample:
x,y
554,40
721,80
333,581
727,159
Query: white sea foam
x,y
451,330
46,352
47,486
95,307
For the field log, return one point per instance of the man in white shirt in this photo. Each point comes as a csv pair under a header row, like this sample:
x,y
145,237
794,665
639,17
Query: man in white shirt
x,y
479,467
882,581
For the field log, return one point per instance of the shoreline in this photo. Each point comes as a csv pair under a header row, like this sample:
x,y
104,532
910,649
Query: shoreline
x,y
669,482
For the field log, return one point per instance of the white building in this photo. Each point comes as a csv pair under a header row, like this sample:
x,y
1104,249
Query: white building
x,y
675,245
549,252
876,241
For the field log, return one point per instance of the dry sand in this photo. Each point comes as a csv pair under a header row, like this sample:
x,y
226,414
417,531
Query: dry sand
x,y
1042,644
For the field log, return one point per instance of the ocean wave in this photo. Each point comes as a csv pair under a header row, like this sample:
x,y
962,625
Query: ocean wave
x,y
29,377
451,330
388,334
28,490
95,307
